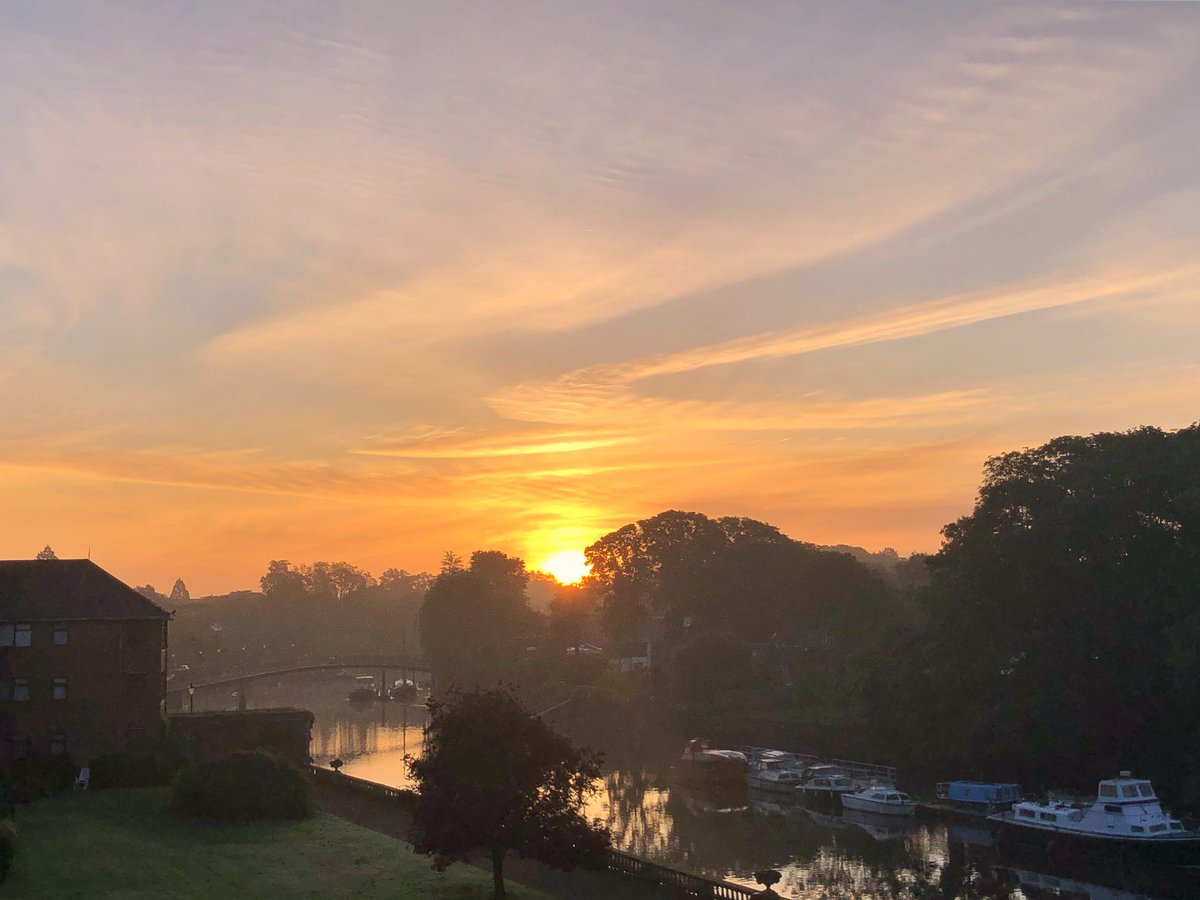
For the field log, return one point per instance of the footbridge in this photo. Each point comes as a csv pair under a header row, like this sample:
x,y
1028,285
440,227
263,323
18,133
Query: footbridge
x,y
407,667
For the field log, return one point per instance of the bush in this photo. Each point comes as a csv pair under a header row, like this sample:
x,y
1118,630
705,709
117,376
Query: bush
x,y
35,776
242,787
130,770
8,846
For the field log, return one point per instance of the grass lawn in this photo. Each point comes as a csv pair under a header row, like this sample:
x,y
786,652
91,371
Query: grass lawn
x,y
119,844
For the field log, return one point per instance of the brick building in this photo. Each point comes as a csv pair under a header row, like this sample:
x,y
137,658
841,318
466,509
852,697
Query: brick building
x,y
82,660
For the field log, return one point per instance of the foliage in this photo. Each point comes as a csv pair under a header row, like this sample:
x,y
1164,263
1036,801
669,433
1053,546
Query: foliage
x,y
1062,618
220,635
321,580
8,846
154,766
46,553
122,844
475,622
494,779
710,663
179,593
39,775
244,786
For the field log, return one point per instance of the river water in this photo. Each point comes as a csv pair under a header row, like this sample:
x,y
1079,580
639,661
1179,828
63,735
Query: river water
x,y
822,853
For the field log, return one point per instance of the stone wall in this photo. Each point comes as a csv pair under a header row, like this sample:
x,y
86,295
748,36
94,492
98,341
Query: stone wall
x,y
284,732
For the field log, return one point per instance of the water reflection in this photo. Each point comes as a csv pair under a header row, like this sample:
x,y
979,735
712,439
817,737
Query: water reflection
x,y
822,852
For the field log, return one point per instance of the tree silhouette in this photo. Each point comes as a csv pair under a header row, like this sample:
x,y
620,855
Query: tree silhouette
x,y
495,779
179,593
47,553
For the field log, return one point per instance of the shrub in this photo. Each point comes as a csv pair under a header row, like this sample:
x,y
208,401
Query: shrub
x,y
35,776
130,770
242,787
8,846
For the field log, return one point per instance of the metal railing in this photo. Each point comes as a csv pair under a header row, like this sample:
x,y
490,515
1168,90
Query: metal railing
x,y
680,883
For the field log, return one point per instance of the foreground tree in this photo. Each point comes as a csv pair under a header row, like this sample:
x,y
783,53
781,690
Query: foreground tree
x,y
495,779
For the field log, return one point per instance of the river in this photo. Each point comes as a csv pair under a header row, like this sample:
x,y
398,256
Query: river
x,y
821,853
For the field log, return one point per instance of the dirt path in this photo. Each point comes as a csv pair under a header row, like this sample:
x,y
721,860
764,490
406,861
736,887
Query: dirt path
x,y
382,815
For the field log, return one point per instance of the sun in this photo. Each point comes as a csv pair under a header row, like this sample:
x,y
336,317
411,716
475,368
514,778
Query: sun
x,y
567,567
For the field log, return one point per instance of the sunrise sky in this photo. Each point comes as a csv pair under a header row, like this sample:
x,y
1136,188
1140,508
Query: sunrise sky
x,y
375,281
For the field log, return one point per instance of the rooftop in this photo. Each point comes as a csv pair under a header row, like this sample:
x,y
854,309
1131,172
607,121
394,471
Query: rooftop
x,y
64,589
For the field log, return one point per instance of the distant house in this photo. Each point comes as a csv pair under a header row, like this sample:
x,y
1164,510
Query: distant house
x,y
82,660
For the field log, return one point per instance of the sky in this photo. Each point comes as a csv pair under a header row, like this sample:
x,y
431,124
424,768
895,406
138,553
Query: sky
x,y
374,281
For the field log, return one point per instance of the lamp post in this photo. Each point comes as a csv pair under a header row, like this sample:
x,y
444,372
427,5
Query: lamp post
x,y
191,697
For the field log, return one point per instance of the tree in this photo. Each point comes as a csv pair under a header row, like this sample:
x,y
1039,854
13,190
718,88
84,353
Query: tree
x,y
150,593
1058,616
281,580
494,779
47,553
475,622
179,593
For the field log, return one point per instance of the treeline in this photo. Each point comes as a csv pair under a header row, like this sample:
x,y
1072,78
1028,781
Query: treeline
x,y
1053,640
304,614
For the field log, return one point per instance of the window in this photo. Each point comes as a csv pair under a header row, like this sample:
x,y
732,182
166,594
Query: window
x,y
20,689
1138,829
60,689
1154,829
6,690
1048,817
1129,790
1027,813
60,634
15,634
1108,790
1146,790
58,744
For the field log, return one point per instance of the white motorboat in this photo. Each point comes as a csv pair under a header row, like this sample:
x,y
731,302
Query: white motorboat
x,y
775,771
1126,816
882,800
825,782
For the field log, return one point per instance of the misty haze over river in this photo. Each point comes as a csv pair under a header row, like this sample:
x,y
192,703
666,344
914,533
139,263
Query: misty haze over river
x,y
822,852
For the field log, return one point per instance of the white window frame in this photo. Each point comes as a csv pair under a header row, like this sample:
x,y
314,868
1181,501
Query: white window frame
x,y
59,688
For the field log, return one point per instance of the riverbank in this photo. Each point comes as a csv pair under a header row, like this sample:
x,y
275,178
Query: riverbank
x,y
119,843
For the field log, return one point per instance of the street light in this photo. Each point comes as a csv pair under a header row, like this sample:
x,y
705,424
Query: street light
x,y
191,697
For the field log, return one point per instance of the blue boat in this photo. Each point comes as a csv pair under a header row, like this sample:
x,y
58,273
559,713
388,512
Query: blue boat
x,y
979,796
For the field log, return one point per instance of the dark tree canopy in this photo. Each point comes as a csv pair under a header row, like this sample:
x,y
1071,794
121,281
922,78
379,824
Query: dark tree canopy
x,y
179,593
47,553
494,779
1064,614
475,621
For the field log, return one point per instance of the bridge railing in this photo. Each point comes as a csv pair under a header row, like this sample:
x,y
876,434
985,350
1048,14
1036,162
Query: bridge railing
x,y
681,884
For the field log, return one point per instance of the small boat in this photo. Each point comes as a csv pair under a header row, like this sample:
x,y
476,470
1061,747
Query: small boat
x,y
825,782
1126,817
883,800
977,796
702,763
364,690
775,771
403,689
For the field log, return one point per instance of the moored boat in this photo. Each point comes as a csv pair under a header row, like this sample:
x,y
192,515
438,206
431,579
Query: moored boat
x,y
825,783
1126,817
977,796
775,771
884,801
701,762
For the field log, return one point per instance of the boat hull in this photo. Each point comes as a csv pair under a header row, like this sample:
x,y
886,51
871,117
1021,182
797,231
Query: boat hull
x,y
1062,843
879,808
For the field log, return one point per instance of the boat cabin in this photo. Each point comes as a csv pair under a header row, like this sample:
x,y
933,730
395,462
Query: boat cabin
x,y
1126,808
